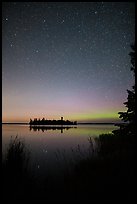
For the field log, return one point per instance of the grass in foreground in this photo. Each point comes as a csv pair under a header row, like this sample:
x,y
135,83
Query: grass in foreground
x,y
17,177
106,175
110,174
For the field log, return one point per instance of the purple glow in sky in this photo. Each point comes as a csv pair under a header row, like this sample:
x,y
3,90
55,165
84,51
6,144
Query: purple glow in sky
x,y
66,59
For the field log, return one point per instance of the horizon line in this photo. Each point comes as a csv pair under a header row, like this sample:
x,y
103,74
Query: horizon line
x,y
77,122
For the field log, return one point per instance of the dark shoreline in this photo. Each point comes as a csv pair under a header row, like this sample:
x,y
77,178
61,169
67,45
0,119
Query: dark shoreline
x,y
15,123
77,123
98,123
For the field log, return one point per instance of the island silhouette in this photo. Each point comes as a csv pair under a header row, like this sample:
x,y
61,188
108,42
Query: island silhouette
x,y
51,122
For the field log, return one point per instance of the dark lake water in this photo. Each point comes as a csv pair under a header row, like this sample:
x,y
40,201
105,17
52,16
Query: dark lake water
x,y
50,148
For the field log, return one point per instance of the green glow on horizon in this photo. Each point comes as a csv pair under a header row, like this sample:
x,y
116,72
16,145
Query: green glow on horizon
x,y
95,116
100,116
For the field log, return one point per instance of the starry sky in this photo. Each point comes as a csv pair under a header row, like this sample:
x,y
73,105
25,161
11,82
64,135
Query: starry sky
x,y
66,59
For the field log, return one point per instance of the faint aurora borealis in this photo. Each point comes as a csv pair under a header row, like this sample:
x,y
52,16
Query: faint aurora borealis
x,y
66,59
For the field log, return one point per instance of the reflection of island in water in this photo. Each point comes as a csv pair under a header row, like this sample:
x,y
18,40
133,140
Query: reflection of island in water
x,y
51,122
45,128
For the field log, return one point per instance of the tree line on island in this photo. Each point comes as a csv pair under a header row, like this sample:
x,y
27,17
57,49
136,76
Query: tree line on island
x,y
51,122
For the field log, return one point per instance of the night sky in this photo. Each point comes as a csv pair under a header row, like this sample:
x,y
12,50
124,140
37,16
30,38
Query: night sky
x,y
66,59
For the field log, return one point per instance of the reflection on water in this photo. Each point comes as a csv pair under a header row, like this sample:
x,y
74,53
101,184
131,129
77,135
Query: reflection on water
x,y
44,142
57,137
43,128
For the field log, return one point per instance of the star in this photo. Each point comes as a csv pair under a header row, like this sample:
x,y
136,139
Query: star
x,y
62,21
124,36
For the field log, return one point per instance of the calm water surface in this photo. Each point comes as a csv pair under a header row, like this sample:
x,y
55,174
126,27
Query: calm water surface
x,y
46,143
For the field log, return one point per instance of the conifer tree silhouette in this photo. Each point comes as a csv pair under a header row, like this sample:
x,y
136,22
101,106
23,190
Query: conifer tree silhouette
x,y
129,115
